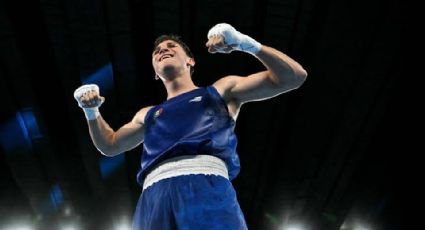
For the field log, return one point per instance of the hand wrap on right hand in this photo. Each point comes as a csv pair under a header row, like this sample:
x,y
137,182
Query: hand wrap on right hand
x,y
84,96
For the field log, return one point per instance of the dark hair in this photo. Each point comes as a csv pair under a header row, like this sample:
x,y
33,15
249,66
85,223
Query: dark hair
x,y
177,39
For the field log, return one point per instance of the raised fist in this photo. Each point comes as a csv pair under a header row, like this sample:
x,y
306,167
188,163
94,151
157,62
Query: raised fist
x,y
224,38
88,96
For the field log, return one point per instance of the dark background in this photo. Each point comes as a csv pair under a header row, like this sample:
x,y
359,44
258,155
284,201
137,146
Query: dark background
x,y
340,152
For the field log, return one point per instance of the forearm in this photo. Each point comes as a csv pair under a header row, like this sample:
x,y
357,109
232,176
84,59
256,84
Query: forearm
x,y
102,135
106,140
284,70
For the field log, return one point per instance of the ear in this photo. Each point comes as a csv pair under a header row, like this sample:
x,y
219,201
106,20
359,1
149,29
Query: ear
x,y
191,62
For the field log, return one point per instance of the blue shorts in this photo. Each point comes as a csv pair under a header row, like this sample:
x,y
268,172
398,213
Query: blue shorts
x,y
189,202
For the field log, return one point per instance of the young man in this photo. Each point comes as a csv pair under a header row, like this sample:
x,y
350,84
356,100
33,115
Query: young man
x,y
189,152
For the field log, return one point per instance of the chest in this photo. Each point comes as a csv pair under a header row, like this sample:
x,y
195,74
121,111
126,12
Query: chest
x,y
183,116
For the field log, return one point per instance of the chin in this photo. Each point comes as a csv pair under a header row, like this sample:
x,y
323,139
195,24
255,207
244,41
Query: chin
x,y
168,70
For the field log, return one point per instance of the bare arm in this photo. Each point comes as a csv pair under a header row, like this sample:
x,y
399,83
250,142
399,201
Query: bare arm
x,y
110,142
282,74
106,140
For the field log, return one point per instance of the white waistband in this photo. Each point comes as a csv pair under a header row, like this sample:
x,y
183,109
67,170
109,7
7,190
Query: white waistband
x,y
186,165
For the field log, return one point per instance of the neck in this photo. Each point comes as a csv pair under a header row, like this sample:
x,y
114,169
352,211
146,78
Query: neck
x,y
178,85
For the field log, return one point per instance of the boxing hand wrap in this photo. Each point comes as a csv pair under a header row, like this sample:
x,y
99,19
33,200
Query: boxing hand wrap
x,y
91,112
235,39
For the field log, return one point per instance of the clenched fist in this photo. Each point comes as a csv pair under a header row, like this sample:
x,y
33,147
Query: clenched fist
x,y
88,96
223,38
89,99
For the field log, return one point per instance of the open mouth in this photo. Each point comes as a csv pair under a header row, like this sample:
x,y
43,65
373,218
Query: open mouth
x,y
165,56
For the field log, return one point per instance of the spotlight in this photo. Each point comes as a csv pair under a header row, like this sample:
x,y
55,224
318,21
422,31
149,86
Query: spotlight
x,y
19,227
293,227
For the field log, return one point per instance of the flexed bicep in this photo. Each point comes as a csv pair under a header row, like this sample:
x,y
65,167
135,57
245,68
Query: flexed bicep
x,y
255,87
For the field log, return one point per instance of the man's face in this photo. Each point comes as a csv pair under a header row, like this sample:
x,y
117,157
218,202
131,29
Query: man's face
x,y
169,57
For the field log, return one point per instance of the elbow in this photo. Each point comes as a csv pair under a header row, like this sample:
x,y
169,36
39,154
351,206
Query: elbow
x,y
300,76
289,80
106,153
107,150
110,148
302,73
296,80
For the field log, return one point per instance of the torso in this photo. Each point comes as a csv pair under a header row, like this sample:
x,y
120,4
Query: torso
x,y
232,105
207,129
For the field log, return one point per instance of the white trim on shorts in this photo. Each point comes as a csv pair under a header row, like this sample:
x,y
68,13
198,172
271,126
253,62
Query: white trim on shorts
x,y
186,165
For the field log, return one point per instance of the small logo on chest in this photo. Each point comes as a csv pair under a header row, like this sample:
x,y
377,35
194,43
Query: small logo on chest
x,y
196,99
158,113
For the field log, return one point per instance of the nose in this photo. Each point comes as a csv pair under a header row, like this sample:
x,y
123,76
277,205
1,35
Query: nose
x,y
163,50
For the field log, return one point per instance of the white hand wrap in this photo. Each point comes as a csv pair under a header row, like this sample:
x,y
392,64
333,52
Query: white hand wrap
x,y
235,38
91,112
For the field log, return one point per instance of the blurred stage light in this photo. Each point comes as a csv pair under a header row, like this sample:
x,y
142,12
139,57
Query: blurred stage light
x,y
293,227
19,227
361,228
103,77
123,224
108,165
19,131
356,224
123,227
56,196
69,227
67,211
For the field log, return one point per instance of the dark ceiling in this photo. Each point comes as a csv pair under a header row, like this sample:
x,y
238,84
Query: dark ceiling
x,y
330,155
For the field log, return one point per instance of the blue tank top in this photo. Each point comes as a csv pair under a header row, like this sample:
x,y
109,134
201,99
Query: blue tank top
x,y
195,122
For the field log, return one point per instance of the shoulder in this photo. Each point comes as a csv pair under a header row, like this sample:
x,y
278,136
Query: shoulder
x,y
141,114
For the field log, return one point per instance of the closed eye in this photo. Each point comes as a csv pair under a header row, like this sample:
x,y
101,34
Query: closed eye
x,y
155,51
169,45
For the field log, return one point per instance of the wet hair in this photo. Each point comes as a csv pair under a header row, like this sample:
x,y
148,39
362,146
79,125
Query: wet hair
x,y
177,39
